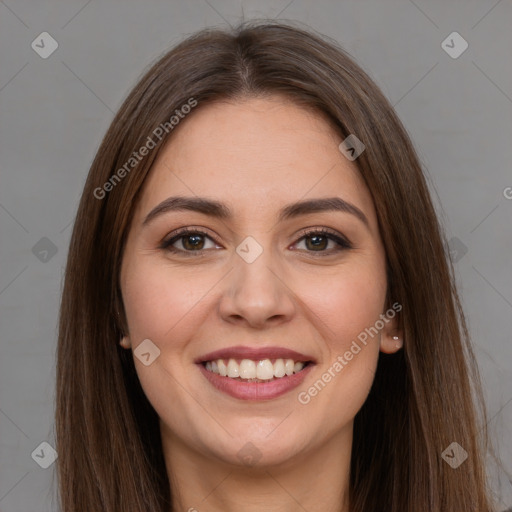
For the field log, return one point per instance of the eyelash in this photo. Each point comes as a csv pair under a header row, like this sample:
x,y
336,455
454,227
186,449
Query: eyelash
x,y
343,243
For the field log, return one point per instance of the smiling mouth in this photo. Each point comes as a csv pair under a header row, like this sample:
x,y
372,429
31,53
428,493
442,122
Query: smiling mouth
x,y
249,370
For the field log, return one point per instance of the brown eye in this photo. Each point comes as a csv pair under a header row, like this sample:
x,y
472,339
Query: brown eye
x,y
188,241
192,242
318,241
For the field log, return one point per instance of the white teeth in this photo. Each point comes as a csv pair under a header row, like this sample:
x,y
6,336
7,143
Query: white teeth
x,y
279,370
247,369
260,370
233,369
264,370
297,367
223,369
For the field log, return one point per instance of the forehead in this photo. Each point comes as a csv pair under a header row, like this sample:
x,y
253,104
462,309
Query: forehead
x,y
255,154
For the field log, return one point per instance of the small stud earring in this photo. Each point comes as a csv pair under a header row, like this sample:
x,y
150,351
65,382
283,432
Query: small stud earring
x,y
398,342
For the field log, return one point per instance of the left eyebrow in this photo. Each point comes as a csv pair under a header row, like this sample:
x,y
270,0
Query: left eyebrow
x,y
222,211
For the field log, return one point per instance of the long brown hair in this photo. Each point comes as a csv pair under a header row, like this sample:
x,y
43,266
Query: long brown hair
x,y
423,398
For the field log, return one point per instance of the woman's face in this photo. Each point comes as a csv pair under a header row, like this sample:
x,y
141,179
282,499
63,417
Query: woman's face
x,y
260,284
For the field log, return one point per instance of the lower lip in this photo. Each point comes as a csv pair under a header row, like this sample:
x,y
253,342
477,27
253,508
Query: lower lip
x,y
256,390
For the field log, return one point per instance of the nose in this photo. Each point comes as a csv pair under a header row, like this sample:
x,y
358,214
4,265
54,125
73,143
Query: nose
x,y
256,294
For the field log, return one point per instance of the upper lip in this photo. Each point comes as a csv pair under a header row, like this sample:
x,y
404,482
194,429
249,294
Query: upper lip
x,y
256,354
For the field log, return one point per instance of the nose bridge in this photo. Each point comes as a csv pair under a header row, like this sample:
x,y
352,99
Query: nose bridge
x,y
255,291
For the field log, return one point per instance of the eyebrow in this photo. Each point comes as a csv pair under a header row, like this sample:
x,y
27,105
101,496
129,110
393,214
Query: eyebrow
x,y
222,211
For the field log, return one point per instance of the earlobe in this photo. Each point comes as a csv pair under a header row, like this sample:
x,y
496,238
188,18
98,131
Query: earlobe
x,y
389,344
392,338
125,342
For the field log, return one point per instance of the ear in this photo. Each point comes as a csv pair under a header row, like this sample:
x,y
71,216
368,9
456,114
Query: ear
x,y
391,338
125,342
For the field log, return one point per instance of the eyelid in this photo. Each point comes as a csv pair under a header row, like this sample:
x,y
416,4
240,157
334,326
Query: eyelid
x,y
167,242
343,242
323,230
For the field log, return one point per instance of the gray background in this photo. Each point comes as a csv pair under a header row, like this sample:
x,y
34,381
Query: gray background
x,y
54,112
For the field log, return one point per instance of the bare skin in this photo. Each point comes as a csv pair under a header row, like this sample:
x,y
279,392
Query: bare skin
x,y
256,156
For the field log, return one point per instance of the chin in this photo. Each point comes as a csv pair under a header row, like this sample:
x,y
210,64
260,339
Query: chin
x,y
255,456
258,448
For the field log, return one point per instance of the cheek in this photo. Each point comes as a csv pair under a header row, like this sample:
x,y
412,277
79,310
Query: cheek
x,y
346,302
162,304
347,305
158,298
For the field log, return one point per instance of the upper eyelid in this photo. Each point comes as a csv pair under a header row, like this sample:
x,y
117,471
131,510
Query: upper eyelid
x,y
182,232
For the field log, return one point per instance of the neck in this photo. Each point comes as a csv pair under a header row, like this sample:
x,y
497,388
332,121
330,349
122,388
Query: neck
x,y
314,480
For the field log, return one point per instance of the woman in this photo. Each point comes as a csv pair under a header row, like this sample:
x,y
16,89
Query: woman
x,y
258,312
